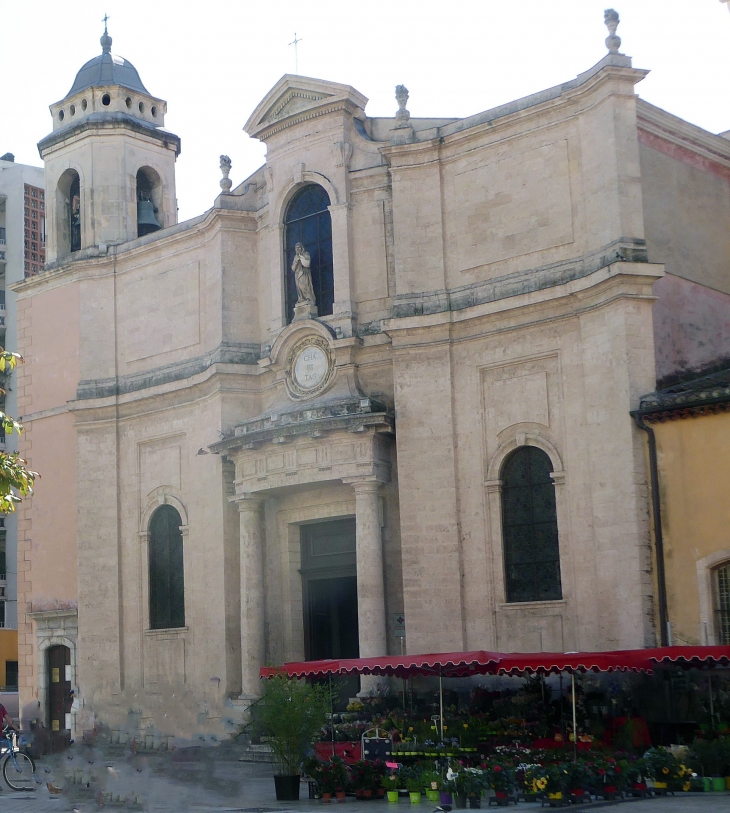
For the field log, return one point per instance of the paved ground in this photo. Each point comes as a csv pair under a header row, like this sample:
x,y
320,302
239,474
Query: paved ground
x,y
213,780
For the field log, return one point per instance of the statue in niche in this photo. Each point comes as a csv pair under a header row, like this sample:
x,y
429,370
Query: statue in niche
x,y
303,276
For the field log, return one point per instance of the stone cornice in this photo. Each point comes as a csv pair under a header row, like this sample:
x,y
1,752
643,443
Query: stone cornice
x,y
98,123
677,131
353,415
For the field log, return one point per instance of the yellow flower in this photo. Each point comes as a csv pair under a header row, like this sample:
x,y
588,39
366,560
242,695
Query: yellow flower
x,y
665,770
686,786
410,728
466,725
541,783
446,728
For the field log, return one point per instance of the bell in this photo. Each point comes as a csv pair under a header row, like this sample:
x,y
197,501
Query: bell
x,y
146,220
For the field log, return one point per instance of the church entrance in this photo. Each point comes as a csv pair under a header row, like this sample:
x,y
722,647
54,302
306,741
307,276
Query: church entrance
x,y
329,589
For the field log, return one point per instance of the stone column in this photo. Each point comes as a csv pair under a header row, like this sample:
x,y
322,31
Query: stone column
x,y
252,593
370,577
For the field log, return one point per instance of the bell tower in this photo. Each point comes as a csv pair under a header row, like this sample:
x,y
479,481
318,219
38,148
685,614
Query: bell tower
x,y
109,162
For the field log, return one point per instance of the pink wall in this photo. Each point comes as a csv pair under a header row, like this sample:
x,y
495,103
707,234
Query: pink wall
x,y
691,327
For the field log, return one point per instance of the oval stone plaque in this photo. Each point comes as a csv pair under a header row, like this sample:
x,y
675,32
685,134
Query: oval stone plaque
x,y
310,367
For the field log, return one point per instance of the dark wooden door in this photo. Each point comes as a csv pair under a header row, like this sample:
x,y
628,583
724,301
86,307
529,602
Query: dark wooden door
x,y
59,693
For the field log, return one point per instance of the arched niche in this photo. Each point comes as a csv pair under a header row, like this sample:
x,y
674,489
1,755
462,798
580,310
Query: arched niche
x,y
69,213
307,221
150,216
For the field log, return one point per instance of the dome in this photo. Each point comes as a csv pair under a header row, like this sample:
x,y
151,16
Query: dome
x,y
107,69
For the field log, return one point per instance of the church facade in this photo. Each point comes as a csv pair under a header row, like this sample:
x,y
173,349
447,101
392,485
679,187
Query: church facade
x,y
385,381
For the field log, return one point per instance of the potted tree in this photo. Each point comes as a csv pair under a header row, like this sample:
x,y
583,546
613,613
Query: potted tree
x,y
289,715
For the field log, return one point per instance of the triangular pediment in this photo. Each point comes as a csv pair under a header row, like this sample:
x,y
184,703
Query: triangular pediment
x,y
296,97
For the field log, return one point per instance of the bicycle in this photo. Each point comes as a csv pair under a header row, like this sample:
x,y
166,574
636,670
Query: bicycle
x,y
18,767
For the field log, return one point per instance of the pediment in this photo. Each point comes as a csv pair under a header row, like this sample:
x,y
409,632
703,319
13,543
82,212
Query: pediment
x,y
294,98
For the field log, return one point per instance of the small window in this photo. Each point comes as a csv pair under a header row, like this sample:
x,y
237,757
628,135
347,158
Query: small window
x,y
72,110
167,583
722,603
106,100
61,115
141,107
153,110
128,101
84,104
530,527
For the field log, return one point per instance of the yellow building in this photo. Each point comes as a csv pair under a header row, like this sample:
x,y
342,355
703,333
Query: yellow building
x,y
689,456
9,658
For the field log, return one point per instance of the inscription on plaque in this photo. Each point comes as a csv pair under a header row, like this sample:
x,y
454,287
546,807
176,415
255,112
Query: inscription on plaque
x,y
310,367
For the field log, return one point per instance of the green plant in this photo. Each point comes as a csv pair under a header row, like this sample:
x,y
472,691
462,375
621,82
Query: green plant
x,y
710,756
290,715
431,780
414,785
333,776
498,777
389,782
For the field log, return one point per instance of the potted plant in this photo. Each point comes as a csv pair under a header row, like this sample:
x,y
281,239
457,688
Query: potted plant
x,y
666,770
498,778
577,776
390,783
431,781
333,778
414,786
709,757
290,715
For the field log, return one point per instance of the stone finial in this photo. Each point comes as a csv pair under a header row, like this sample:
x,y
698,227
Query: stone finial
x,y
226,182
611,20
401,96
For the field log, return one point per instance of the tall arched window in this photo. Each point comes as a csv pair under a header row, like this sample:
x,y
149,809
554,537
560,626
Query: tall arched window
x,y
308,222
167,583
530,527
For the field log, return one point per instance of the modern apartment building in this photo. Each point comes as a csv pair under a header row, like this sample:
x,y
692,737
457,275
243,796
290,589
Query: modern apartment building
x,y
22,254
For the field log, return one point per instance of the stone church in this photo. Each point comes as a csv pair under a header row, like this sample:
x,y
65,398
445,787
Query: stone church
x,y
384,382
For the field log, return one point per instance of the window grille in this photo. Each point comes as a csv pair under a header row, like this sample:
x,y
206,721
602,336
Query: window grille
x,y
722,575
530,527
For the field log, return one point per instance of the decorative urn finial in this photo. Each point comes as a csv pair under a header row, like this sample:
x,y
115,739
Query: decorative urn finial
x,y
611,20
401,96
226,182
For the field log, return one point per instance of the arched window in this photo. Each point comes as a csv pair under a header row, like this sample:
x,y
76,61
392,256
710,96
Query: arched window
x,y
167,583
530,527
308,222
722,603
68,207
149,201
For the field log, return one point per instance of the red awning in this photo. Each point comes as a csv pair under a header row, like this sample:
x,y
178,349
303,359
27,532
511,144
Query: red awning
x,y
690,656
447,664
629,660
481,662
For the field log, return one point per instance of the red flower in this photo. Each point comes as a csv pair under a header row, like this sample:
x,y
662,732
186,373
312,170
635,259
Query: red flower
x,y
497,768
601,771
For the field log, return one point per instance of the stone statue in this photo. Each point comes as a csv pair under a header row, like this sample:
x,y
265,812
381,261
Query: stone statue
x,y
226,182
611,21
303,276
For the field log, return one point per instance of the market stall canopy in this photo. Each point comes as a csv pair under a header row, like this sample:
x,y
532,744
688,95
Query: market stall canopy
x,y
445,664
629,660
689,656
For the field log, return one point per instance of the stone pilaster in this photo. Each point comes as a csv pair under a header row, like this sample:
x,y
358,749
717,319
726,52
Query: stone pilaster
x,y
370,578
252,593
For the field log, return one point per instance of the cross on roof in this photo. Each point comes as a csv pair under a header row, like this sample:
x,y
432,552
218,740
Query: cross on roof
x,y
106,17
295,42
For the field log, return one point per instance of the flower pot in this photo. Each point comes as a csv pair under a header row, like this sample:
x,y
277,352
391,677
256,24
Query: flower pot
x,y
707,784
415,797
660,785
727,783
393,796
381,792
359,793
460,801
432,795
718,783
340,795
577,792
367,793
446,798
287,788
475,802
326,797
609,789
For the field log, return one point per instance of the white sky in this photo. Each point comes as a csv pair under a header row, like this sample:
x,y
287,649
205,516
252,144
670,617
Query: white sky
x,y
213,61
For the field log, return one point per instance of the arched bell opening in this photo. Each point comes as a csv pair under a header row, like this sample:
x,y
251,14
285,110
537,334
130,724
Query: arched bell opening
x,y
149,201
68,212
